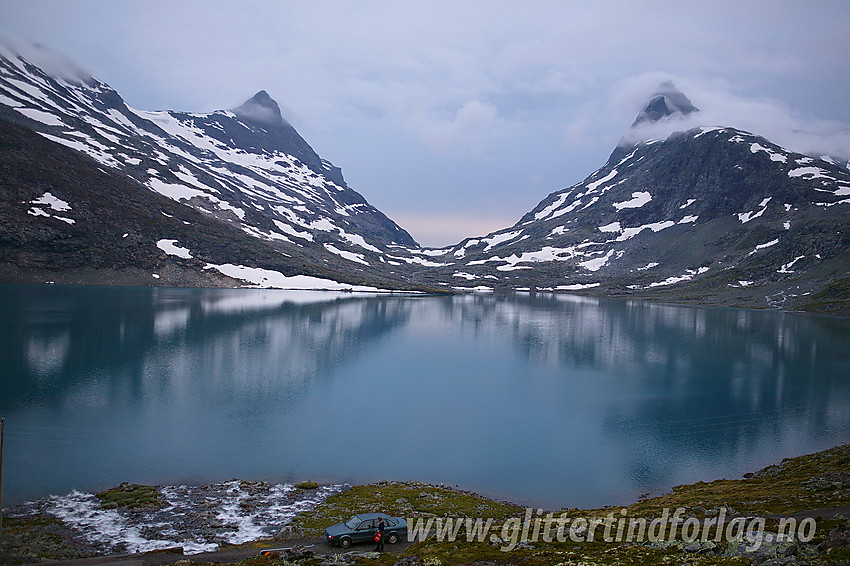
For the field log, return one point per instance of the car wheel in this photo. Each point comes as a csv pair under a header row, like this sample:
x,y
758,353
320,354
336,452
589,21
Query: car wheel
x,y
392,538
345,542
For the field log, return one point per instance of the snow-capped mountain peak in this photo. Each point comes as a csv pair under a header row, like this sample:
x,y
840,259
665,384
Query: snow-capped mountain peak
x,y
246,167
684,211
702,213
260,108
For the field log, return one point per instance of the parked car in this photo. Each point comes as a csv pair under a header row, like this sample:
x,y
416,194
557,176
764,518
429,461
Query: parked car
x,y
362,528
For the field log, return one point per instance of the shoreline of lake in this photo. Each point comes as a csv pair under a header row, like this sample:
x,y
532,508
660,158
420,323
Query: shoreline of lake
x,y
800,485
834,302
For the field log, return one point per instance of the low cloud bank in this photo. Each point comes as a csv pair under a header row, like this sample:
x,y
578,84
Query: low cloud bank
x,y
719,105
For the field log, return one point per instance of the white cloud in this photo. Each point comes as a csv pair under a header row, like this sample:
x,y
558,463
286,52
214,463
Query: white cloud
x,y
605,120
472,130
53,62
774,120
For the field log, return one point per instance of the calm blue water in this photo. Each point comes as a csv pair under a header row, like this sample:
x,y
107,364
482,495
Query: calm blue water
x,y
551,401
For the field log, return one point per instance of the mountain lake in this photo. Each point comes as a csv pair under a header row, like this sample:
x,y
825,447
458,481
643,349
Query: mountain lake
x,y
546,400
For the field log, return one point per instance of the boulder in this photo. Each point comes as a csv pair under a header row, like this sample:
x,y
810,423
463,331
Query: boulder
x,y
839,537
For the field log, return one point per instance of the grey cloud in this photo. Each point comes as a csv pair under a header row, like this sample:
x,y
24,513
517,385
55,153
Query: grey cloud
x,y
53,62
763,116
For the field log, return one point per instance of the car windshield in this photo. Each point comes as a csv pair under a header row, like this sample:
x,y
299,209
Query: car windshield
x,y
352,522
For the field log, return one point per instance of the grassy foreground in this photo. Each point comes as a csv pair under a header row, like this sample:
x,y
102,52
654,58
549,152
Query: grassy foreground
x,y
811,482
808,483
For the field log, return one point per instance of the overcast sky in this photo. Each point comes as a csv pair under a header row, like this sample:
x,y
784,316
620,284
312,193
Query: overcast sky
x,y
455,118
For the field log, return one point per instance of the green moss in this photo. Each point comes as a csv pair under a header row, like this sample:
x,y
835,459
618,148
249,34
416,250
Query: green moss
x,y
594,553
36,538
838,556
131,496
307,485
797,484
834,298
403,499
809,482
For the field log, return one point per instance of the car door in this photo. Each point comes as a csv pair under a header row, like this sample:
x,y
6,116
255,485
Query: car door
x,y
365,530
390,526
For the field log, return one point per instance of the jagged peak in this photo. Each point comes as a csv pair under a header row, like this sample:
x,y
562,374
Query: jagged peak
x,y
261,108
666,101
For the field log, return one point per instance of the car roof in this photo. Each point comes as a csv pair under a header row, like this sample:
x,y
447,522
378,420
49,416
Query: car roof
x,y
364,516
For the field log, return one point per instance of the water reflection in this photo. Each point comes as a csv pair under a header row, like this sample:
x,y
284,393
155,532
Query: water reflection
x,y
551,400
684,387
221,345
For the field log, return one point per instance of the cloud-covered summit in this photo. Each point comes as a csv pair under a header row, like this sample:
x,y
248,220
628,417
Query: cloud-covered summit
x,y
665,102
51,61
715,104
261,108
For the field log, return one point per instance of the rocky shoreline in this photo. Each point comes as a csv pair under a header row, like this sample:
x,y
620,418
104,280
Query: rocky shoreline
x,y
138,519
236,521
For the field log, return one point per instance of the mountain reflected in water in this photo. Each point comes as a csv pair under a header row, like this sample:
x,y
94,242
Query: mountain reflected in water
x,y
218,346
547,400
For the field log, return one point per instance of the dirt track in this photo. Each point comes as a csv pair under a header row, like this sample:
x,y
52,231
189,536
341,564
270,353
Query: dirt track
x,y
224,556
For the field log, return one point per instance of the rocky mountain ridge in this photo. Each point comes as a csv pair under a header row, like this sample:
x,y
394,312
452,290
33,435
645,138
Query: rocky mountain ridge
x,y
712,214
709,214
246,168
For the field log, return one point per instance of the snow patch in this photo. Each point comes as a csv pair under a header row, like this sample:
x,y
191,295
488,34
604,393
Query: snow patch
x,y
745,217
810,173
175,191
706,129
500,239
638,200
764,246
786,267
687,276
350,256
755,148
595,184
648,266
577,286
358,240
629,233
171,248
613,227
464,275
287,229
41,116
420,261
596,264
10,102
268,279
53,202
